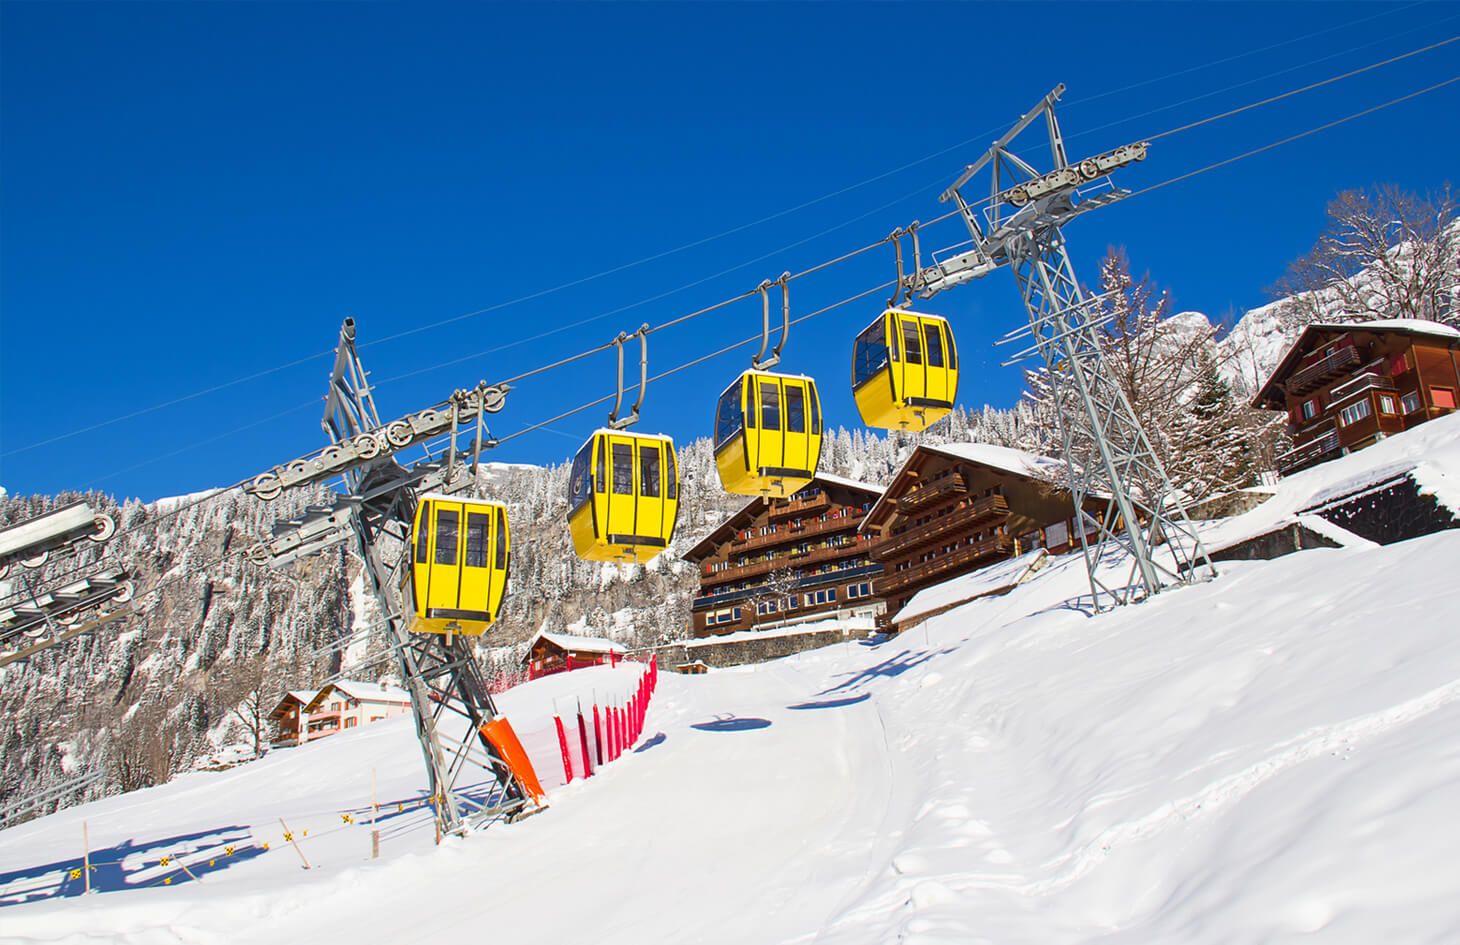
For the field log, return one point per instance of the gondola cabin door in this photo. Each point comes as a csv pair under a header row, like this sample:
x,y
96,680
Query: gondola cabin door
x,y
905,371
623,496
460,553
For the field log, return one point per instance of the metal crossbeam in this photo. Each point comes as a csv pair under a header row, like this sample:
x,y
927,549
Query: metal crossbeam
x,y
470,784
1020,226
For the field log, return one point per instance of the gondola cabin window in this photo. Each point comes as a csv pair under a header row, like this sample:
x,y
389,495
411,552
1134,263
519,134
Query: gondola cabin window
x,y
727,416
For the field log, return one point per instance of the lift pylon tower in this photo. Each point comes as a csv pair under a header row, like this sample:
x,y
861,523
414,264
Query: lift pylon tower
x,y
1019,225
470,783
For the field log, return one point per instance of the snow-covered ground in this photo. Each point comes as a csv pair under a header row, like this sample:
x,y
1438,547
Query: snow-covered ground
x,y
1269,757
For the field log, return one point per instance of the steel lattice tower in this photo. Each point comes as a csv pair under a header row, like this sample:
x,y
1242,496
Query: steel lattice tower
x,y
1019,225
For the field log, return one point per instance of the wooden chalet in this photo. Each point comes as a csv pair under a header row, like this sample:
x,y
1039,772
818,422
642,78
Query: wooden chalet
x,y
1346,386
781,561
550,653
956,508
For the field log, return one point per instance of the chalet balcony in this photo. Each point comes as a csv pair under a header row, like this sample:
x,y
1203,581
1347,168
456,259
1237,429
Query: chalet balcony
x,y
788,533
931,493
757,568
1369,380
1323,370
705,601
945,566
991,508
812,506
1309,454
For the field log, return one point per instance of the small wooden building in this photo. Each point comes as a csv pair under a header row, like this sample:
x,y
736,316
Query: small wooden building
x,y
956,508
782,561
1346,386
550,653
291,721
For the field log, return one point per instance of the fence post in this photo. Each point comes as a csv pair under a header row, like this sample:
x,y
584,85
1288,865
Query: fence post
x,y
86,856
563,747
374,819
289,834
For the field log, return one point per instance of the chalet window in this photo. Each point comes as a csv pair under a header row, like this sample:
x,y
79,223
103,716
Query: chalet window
x,y
1386,404
1355,412
1443,397
1399,364
350,723
1057,534
1410,401
1310,408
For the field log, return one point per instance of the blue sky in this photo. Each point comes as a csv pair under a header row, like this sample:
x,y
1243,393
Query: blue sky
x,y
191,194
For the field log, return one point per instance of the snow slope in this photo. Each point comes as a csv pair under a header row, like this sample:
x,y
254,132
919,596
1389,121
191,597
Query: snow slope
x,y
1267,757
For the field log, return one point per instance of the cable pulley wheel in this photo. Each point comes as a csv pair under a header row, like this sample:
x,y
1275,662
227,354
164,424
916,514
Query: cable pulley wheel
x,y
366,446
106,527
399,434
267,486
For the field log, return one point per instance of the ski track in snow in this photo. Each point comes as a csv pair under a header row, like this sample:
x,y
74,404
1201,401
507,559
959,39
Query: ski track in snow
x,y
1266,758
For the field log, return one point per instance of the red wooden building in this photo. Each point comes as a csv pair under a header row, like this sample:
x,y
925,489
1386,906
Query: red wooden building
x,y
550,653
1346,386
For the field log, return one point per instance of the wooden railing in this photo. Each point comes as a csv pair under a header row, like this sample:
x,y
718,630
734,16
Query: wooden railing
x,y
1309,453
992,508
786,560
800,506
925,495
1313,376
944,565
787,533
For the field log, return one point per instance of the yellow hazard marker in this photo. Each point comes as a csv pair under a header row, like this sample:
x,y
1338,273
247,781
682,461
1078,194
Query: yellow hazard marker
x,y
228,851
288,837
347,818
75,874
167,881
266,845
164,861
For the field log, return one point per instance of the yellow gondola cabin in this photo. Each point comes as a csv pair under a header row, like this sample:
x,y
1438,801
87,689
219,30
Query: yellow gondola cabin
x,y
768,434
905,371
623,496
459,559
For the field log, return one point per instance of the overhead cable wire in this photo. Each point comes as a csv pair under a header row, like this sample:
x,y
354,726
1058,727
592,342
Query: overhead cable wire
x,y
1291,138
1242,55
694,243
955,212
1307,88
1083,132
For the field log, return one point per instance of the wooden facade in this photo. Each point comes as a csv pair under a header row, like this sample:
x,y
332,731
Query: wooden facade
x,y
781,561
550,653
1344,387
954,509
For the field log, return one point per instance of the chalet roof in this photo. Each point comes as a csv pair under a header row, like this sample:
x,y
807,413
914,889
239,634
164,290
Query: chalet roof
x,y
577,644
1303,344
362,692
301,696
1001,458
748,512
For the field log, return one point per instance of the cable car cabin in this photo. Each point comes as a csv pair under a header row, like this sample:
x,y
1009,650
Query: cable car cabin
x,y
905,371
623,496
768,434
459,568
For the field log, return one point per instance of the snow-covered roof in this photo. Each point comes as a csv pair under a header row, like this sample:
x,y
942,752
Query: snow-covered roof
x,y
1003,458
980,583
1415,326
370,692
303,695
577,644
1295,351
848,483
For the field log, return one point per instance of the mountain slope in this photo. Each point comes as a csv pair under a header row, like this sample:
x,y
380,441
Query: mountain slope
x,y
1265,757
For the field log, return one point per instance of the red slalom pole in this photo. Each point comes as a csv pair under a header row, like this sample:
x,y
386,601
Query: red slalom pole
x,y
597,734
583,739
563,745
